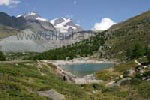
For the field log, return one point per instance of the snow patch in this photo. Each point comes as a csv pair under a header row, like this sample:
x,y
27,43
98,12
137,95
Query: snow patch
x,y
77,24
41,19
53,21
32,13
9,2
63,27
18,16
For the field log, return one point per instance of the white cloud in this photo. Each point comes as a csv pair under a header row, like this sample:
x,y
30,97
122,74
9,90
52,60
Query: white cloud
x,y
9,2
105,24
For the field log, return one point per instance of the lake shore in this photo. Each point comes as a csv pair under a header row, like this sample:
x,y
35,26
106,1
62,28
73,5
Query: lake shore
x,y
78,61
87,79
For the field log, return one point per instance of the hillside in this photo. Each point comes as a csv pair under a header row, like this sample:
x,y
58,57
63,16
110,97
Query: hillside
x,y
111,44
30,80
23,81
126,35
79,49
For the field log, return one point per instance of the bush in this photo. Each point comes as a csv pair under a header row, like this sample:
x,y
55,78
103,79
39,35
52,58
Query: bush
x,y
138,51
2,56
148,53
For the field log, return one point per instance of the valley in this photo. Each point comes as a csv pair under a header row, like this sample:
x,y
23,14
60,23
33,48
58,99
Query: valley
x,y
112,64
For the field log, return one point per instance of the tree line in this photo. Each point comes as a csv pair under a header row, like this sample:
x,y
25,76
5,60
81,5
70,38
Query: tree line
x,y
138,51
84,48
2,56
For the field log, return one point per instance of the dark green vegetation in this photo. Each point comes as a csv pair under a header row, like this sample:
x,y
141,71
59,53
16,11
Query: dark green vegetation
x,y
2,56
147,52
81,49
138,51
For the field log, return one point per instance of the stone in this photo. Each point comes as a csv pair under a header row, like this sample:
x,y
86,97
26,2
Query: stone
x,y
145,67
111,84
121,76
52,94
122,80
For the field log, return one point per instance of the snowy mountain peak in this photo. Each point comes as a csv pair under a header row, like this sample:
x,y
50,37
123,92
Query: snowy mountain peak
x,y
62,25
53,21
67,19
32,16
32,13
65,25
60,21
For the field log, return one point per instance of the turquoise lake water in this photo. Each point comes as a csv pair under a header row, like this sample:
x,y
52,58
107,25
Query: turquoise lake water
x,y
86,69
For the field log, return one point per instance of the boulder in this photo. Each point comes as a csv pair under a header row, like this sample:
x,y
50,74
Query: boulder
x,y
52,94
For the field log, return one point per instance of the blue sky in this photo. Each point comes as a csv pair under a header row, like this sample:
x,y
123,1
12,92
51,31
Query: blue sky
x,y
84,12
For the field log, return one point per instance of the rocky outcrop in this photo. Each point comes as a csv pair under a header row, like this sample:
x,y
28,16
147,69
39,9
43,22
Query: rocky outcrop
x,y
52,94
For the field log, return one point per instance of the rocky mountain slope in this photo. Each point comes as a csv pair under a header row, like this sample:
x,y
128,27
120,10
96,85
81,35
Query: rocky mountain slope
x,y
36,34
6,31
12,21
66,25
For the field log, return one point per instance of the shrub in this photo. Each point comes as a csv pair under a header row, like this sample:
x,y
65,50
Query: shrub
x,y
2,56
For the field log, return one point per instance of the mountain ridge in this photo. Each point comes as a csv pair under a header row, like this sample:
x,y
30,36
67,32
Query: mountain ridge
x,y
35,32
110,44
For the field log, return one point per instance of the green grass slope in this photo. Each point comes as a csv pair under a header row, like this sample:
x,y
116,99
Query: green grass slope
x,y
22,81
